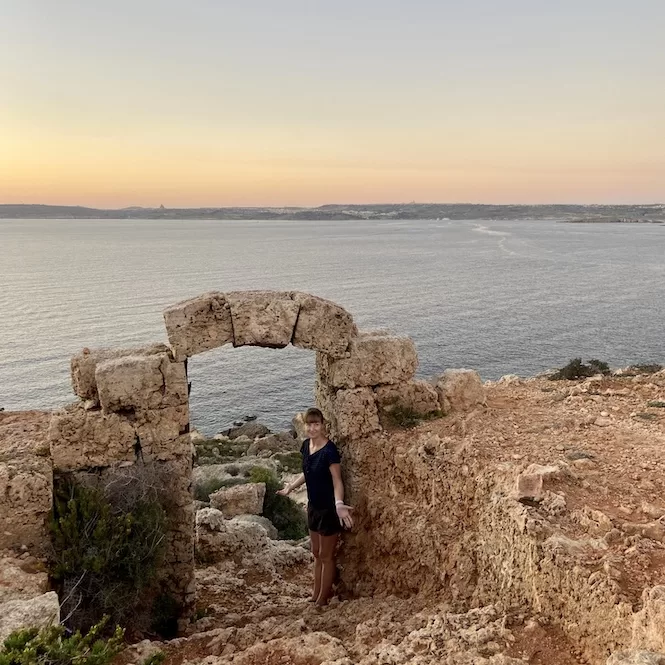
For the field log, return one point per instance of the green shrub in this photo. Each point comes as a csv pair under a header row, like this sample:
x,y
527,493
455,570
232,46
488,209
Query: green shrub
x,y
576,369
229,450
657,404
646,368
290,462
203,491
287,516
51,646
104,557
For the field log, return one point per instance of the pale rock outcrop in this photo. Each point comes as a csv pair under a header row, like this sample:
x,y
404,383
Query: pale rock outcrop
x,y
649,622
356,414
322,325
199,324
460,390
262,318
250,430
636,658
141,383
418,396
370,361
299,426
244,499
261,521
40,611
84,366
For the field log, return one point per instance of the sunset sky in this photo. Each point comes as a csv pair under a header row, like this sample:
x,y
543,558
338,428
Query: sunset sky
x,y
285,102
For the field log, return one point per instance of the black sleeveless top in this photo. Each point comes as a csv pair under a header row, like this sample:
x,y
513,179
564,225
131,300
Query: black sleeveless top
x,y
316,467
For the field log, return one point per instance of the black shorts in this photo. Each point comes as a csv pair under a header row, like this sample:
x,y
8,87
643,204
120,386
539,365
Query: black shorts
x,y
323,520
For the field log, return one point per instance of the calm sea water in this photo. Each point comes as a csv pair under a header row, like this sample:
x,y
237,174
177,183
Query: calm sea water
x,y
500,297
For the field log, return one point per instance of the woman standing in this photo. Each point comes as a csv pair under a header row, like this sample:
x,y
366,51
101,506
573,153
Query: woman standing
x,y
327,513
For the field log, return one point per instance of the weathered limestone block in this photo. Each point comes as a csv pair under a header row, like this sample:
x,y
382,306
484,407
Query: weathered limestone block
x,y
239,500
141,382
530,483
371,361
40,612
280,442
264,522
324,398
262,318
26,480
84,365
460,390
322,325
198,325
82,439
356,414
418,396
636,657
649,622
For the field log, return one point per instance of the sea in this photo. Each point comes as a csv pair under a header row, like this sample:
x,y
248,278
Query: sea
x,y
501,297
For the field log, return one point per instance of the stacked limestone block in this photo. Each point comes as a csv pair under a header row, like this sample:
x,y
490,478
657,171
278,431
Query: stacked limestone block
x,y
375,374
271,319
133,422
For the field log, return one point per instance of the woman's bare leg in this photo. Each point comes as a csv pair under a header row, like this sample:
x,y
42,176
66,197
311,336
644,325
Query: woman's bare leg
x,y
315,543
328,545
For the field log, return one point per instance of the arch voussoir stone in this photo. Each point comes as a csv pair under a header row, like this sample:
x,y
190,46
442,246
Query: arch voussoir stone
x,y
198,324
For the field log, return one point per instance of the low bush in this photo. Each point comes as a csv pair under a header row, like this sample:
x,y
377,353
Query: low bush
x,y
104,557
52,646
576,369
657,404
398,415
203,491
646,368
287,516
290,462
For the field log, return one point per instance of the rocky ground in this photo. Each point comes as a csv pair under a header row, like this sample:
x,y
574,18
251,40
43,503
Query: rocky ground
x,y
579,464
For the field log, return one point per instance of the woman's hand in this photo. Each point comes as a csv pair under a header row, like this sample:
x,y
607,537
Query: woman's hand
x,y
344,514
285,491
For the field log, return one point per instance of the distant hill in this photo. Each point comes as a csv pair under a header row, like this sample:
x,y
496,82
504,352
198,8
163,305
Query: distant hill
x,y
577,213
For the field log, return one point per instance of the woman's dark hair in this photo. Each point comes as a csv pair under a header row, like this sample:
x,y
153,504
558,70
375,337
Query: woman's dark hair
x,y
313,415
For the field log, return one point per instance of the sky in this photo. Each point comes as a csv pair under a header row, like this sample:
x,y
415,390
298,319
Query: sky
x,y
304,102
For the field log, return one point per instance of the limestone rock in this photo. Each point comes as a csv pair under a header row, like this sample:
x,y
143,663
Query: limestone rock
x,y
300,426
244,499
273,443
141,382
261,521
460,390
418,396
198,325
218,539
84,366
636,658
356,414
26,480
262,318
649,622
371,361
322,325
202,476
40,611
21,580
250,430
529,485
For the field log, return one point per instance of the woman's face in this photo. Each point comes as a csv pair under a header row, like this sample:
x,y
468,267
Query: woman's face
x,y
314,428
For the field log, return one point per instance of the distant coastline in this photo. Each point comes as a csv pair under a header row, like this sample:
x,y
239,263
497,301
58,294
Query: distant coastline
x,y
573,214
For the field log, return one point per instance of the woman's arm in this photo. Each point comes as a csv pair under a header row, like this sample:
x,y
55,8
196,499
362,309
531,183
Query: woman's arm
x,y
292,486
343,511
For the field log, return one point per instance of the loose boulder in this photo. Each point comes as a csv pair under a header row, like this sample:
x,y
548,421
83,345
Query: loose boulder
x,y
246,499
460,390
